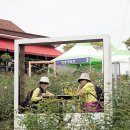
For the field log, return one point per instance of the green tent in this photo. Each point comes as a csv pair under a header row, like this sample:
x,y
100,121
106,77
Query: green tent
x,y
80,54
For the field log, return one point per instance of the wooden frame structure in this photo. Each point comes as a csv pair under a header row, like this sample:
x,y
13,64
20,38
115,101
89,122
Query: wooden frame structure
x,y
42,62
19,67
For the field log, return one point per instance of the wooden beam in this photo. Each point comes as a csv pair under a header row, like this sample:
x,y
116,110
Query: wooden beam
x,y
21,74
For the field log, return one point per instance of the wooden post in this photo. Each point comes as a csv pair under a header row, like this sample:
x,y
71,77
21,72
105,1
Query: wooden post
x,y
21,74
29,71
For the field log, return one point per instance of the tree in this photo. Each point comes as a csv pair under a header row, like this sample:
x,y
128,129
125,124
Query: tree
x,y
96,45
67,47
127,42
6,58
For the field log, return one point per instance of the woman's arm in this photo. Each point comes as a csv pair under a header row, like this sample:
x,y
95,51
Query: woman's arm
x,y
49,94
79,92
35,96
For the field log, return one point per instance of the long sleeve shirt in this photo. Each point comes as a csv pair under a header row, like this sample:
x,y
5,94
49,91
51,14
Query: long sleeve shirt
x,y
37,95
86,90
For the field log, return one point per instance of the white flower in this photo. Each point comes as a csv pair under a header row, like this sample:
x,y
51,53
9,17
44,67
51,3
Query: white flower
x,y
5,87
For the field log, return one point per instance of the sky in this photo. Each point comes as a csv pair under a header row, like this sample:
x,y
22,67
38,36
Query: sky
x,y
61,18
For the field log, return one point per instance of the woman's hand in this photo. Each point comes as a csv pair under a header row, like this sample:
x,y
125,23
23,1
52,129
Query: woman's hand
x,y
80,87
45,94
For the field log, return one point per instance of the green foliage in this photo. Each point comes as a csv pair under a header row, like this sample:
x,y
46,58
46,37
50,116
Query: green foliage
x,y
119,120
68,47
6,57
121,105
56,116
97,45
6,99
127,42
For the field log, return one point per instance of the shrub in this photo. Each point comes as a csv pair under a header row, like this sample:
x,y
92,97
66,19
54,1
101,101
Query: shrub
x,y
6,100
118,121
6,57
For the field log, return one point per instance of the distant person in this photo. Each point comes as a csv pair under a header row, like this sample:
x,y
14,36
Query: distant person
x,y
86,91
2,67
9,65
12,66
41,91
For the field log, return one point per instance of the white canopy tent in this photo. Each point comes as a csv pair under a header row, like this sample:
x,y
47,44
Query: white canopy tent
x,y
80,53
120,59
121,56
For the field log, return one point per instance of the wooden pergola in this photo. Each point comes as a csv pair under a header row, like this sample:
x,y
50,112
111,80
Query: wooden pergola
x,y
42,62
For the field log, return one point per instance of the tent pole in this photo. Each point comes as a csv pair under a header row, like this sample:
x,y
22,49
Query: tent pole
x,y
90,65
102,66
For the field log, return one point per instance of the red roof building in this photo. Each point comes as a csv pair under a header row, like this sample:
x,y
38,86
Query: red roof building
x,y
9,32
